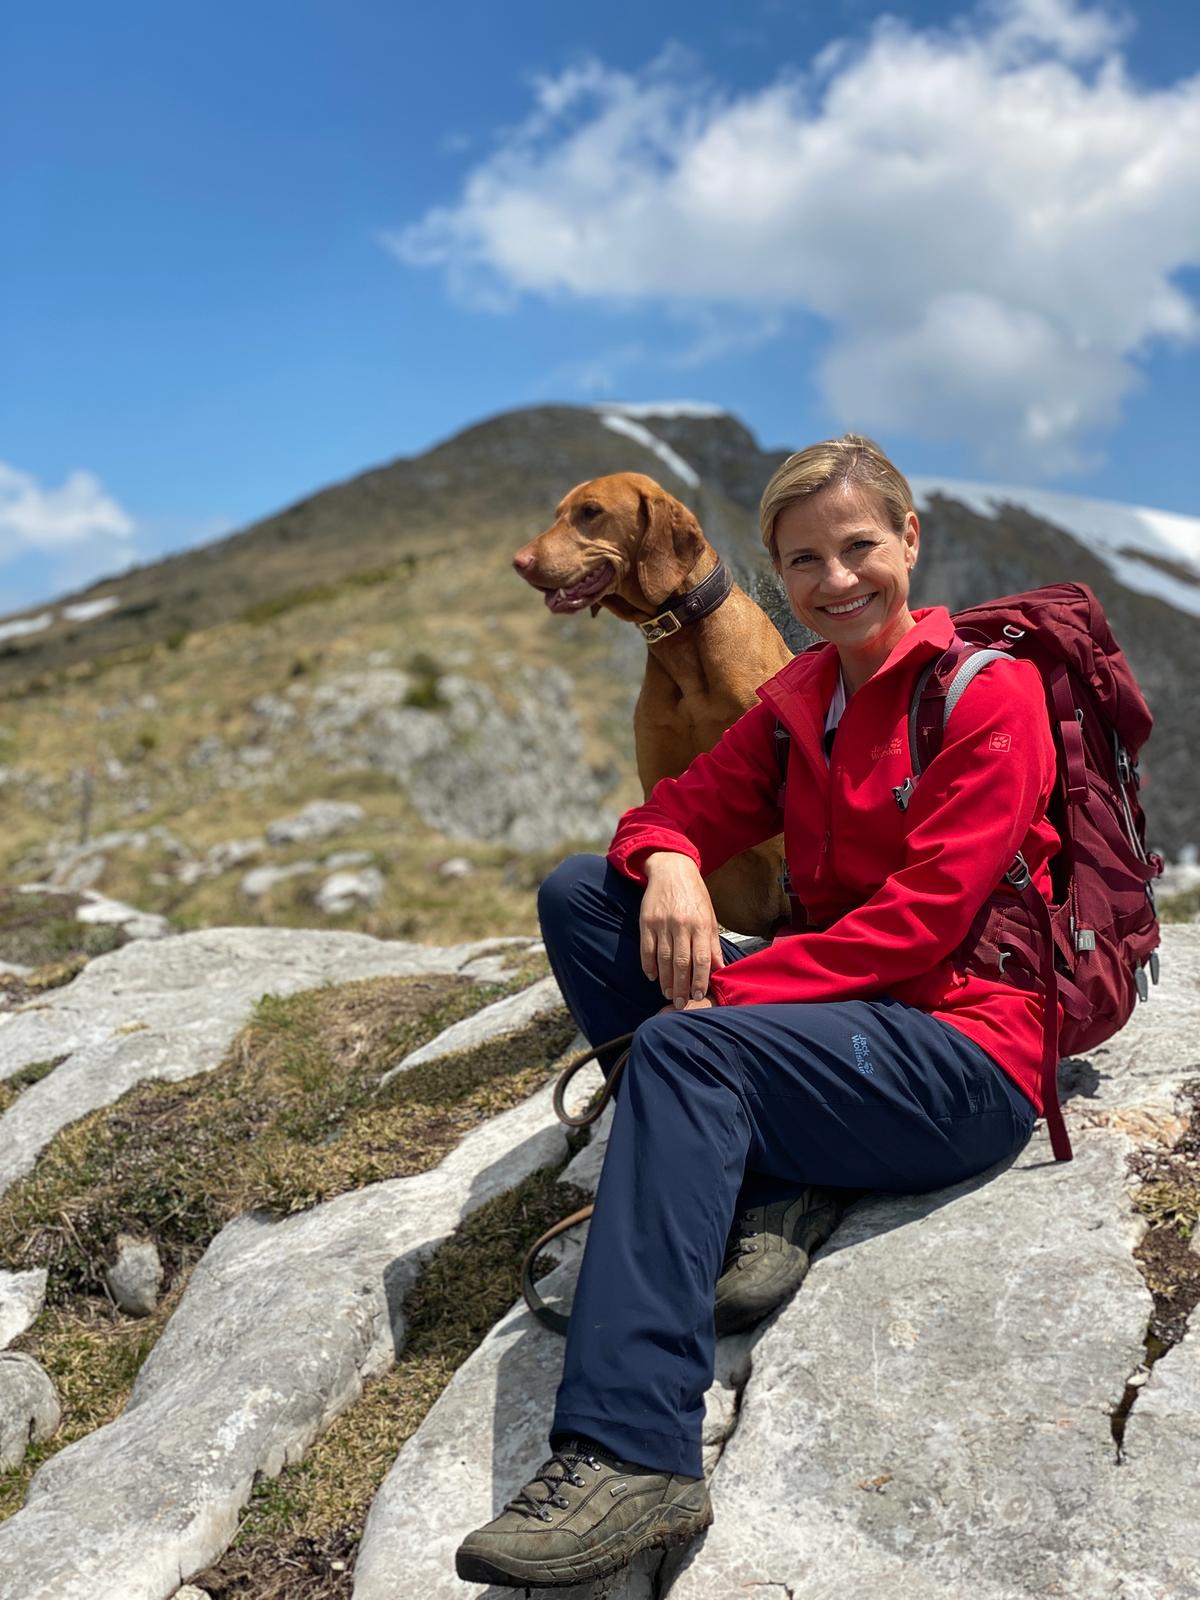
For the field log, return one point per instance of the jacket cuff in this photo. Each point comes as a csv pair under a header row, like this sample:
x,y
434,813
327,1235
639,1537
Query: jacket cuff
x,y
628,855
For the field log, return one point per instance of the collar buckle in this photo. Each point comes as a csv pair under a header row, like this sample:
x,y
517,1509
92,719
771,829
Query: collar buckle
x,y
660,627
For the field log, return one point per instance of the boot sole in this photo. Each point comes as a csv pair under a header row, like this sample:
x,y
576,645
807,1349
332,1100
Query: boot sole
x,y
662,1528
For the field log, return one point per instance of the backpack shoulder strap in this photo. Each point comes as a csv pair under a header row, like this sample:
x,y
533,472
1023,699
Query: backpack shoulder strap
x,y
938,690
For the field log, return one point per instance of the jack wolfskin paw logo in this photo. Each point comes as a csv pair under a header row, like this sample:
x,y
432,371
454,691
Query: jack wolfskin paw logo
x,y
1000,741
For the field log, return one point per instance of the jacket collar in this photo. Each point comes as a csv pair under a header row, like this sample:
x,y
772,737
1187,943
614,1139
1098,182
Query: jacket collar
x,y
801,691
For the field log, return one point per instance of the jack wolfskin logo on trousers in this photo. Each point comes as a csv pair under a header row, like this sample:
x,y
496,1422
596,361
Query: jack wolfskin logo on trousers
x,y
862,1053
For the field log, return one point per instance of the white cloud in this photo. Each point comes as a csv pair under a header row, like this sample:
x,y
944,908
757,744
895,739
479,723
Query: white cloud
x,y
40,519
989,218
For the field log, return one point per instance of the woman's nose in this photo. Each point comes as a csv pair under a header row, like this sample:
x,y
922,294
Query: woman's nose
x,y
837,577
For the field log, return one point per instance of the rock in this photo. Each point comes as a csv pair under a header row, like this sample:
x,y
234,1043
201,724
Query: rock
x,y
13,969
456,867
934,1406
930,1416
317,820
29,1409
280,1326
345,890
515,1011
510,1380
190,1592
341,859
261,880
191,994
472,767
135,924
22,1295
135,1278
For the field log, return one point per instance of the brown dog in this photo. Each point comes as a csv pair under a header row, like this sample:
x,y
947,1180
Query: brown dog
x,y
624,543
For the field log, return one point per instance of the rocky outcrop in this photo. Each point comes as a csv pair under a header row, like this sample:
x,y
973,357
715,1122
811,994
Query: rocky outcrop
x,y
169,1010
280,1326
932,1414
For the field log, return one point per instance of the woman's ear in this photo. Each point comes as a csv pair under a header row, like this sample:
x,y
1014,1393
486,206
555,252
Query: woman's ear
x,y
912,539
670,545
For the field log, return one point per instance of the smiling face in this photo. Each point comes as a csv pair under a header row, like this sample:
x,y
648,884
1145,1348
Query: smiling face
x,y
846,571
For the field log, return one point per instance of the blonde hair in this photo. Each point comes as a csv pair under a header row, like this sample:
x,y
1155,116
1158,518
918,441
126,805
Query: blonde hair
x,y
852,459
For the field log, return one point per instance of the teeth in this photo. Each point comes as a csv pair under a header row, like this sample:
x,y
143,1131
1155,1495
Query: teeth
x,y
850,605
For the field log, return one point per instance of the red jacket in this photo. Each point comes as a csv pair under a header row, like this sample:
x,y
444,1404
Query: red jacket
x,y
890,894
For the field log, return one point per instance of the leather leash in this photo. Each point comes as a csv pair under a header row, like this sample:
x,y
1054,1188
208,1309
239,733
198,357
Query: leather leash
x,y
555,1320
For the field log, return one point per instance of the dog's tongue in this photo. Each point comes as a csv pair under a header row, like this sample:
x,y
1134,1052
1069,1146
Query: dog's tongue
x,y
579,594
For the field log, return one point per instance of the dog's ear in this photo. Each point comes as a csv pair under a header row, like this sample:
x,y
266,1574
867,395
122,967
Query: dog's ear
x,y
670,546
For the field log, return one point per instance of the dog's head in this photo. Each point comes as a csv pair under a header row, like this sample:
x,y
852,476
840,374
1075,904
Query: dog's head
x,y
621,541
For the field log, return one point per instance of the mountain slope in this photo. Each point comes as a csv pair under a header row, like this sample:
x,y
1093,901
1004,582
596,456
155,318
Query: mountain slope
x,y
425,544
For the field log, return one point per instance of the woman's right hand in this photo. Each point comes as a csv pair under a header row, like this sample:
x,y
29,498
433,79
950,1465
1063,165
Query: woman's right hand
x,y
680,945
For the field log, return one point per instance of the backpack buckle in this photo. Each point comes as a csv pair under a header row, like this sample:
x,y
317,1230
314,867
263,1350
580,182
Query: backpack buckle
x,y
1019,875
903,793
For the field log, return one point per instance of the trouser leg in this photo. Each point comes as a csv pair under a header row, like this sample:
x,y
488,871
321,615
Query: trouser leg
x,y
857,1094
589,918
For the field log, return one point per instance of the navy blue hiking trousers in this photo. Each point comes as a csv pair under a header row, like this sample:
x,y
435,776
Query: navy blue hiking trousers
x,y
719,1110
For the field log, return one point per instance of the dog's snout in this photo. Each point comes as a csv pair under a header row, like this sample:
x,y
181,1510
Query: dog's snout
x,y
523,560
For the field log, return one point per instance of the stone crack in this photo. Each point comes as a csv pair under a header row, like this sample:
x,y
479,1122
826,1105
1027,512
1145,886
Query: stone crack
x,y
1168,1195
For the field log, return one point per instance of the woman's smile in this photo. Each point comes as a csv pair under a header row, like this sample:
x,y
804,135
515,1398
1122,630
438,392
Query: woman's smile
x,y
847,608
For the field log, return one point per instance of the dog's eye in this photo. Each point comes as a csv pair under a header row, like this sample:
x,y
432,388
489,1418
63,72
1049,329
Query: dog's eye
x,y
590,511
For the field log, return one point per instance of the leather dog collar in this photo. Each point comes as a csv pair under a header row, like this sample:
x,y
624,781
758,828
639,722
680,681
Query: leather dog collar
x,y
680,609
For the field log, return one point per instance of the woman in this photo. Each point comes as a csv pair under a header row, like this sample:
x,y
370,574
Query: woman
x,y
857,1052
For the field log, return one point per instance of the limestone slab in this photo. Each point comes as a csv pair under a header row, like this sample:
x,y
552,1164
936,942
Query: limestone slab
x,y
932,1413
169,1008
486,1434
541,999
281,1324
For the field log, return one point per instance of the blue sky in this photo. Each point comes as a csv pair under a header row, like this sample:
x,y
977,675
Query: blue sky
x,y
252,249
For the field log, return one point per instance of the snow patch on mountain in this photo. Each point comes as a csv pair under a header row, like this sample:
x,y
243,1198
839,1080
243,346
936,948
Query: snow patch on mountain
x,y
620,423
1153,552
24,625
664,408
85,610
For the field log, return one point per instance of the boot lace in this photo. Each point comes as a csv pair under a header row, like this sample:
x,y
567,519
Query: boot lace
x,y
529,1505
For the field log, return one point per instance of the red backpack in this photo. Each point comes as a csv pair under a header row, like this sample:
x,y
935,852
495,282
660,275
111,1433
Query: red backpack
x,y
1090,948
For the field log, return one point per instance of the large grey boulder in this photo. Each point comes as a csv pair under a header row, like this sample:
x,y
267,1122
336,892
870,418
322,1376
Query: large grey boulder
x,y
169,1009
280,1326
29,1409
932,1413
930,1416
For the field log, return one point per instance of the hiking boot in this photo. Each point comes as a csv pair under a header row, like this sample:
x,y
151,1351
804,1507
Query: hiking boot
x,y
584,1515
768,1253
